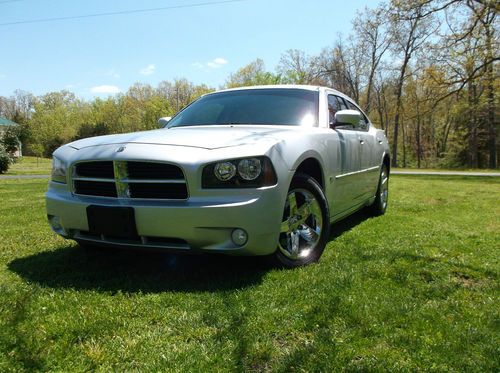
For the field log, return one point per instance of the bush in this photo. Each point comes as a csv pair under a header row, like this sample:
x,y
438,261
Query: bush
x,y
4,160
10,140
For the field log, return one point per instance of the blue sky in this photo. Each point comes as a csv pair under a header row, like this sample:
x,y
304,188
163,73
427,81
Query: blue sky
x,y
101,55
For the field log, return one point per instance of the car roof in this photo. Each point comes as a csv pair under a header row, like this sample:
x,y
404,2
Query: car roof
x,y
273,86
284,86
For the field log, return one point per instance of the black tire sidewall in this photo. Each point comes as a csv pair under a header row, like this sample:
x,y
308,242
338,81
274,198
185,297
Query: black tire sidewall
x,y
377,207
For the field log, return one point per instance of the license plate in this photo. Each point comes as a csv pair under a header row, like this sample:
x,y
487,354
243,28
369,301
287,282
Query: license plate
x,y
112,221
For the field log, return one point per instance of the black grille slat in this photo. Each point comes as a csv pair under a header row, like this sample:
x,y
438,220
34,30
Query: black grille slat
x,y
102,169
158,190
144,180
152,171
95,188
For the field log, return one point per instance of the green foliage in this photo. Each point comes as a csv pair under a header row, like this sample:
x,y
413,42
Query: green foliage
x,y
55,120
252,74
10,139
5,160
414,290
60,117
91,129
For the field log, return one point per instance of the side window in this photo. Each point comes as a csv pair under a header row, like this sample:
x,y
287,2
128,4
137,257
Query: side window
x,y
342,105
363,122
333,107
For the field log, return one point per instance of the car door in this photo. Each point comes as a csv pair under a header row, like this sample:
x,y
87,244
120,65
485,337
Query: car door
x,y
346,190
369,166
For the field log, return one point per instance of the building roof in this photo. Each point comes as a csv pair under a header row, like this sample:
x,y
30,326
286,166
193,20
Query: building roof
x,y
6,122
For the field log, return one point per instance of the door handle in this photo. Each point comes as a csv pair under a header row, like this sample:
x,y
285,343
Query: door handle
x,y
380,142
362,142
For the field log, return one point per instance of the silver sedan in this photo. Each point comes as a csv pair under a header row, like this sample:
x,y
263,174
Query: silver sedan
x,y
250,171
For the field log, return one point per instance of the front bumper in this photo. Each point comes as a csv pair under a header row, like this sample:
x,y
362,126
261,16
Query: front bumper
x,y
202,223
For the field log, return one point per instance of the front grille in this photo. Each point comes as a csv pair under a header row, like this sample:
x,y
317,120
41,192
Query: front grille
x,y
134,180
95,188
149,170
102,170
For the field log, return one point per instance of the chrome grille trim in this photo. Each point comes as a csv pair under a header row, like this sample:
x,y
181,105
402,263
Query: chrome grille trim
x,y
154,187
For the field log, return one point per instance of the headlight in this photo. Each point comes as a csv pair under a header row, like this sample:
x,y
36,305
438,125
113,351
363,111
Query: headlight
x,y
254,172
249,169
58,170
224,171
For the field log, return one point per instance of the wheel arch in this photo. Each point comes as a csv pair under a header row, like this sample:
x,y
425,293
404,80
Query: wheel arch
x,y
386,160
311,166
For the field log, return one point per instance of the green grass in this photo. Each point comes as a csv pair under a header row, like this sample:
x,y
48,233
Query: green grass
x,y
476,170
416,289
30,166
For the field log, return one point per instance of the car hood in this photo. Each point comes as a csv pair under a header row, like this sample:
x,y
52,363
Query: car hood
x,y
205,137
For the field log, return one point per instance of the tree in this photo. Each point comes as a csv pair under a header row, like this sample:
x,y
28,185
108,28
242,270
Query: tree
x,y
252,74
472,24
342,67
297,68
370,27
10,140
409,35
55,120
4,160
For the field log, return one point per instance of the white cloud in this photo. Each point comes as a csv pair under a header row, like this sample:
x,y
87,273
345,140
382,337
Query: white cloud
x,y
112,73
197,65
148,70
220,61
105,89
213,64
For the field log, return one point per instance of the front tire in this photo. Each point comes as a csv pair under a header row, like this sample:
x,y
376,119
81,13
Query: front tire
x,y
305,225
382,197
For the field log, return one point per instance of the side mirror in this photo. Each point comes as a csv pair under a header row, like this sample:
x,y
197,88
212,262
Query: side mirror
x,y
347,117
164,121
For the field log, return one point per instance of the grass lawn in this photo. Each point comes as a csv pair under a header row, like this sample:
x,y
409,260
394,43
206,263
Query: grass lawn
x,y
30,166
475,170
416,289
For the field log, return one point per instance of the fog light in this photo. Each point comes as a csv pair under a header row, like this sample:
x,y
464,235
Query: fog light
x,y
239,236
55,224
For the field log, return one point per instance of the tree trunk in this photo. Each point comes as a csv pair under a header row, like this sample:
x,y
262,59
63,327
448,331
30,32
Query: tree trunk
x,y
419,145
492,135
403,130
473,146
399,94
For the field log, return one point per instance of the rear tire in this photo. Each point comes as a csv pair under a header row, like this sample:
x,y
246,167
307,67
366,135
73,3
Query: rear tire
x,y
305,226
379,206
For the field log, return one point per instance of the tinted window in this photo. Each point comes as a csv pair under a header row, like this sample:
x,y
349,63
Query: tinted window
x,y
341,102
363,122
333,107
252,106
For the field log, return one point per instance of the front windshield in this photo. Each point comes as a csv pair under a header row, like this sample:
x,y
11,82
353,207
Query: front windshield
x,y
296,107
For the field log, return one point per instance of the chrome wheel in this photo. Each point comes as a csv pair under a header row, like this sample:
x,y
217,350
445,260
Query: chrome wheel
x,y
301,226
384,188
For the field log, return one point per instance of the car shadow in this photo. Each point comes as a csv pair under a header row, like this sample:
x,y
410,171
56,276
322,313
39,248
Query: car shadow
x,y
345,225
133,271
149,272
